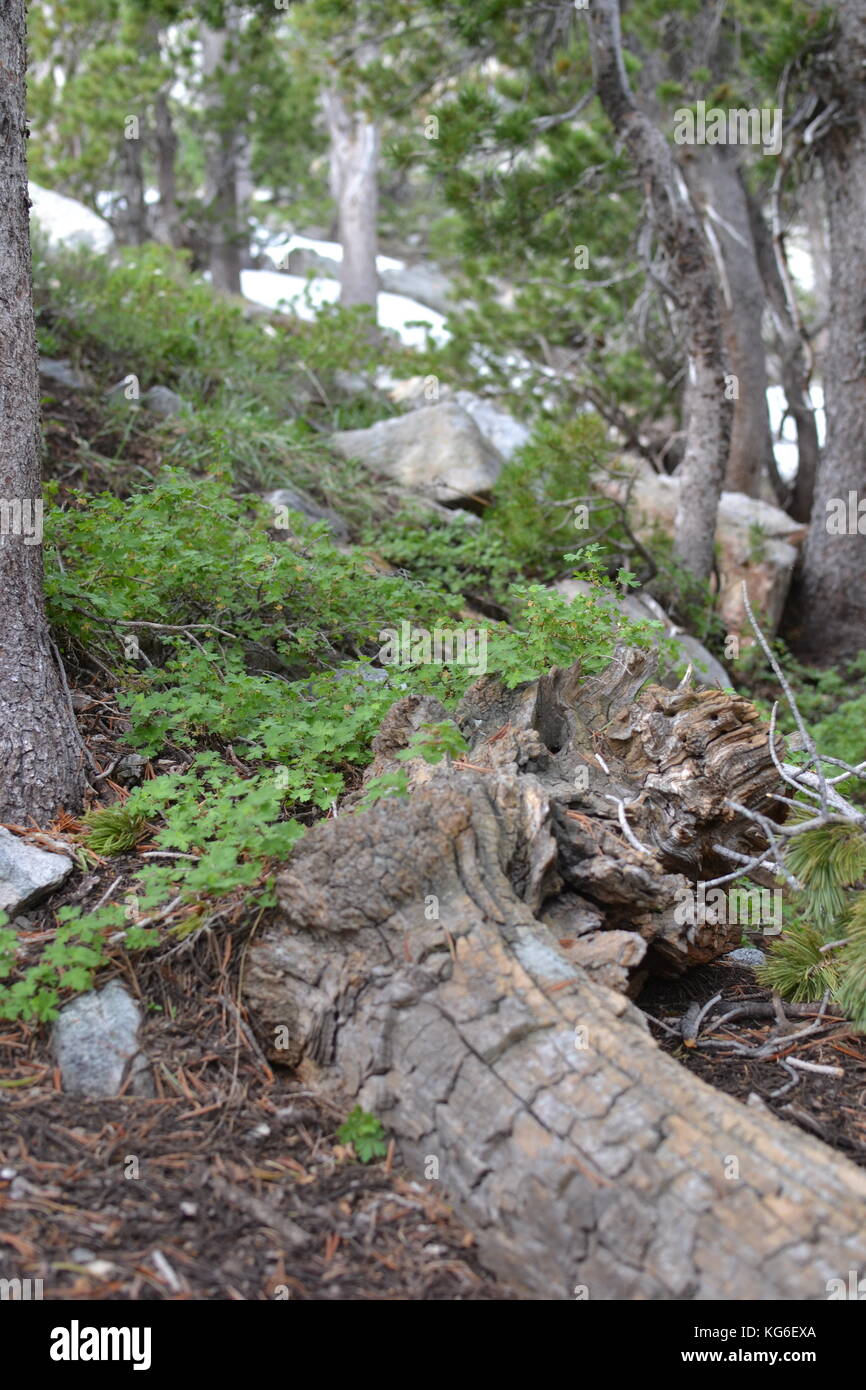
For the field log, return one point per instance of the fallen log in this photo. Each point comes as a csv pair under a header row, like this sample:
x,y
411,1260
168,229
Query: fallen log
x,y
444,962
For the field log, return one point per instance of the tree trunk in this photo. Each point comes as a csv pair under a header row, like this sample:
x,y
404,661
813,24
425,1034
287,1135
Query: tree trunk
x,y
130,221
832,586
354,186
221,190
166,221
693,284
714,172
444,961
794,370
41,758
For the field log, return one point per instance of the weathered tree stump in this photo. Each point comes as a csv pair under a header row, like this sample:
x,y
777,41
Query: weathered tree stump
x,y
444,961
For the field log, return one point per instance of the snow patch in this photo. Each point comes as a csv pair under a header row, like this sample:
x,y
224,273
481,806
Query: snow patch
x,y
785,448
304,297
66,222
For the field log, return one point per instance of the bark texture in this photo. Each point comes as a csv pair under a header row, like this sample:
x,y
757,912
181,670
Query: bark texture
x,y
221,178
130,219
693,286
831,623
41,758
166,215
794,369
714,173
355,189
443,962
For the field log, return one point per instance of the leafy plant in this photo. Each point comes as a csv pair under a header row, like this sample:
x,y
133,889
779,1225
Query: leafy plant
x,y
365,1133
114,829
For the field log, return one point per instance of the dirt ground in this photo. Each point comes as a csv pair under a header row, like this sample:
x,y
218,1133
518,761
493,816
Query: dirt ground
x,y
829,1106
231,1184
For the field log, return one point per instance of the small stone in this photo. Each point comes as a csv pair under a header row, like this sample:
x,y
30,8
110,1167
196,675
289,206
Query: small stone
x,y
747,955
160,400
129,770
60,372
96,1044
28,873
291,499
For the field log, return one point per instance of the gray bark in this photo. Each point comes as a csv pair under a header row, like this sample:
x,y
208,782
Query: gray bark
x,y
166,218
794,370
221,177
440,963
355,189
41,758
693,282
832,589
130,221
713,172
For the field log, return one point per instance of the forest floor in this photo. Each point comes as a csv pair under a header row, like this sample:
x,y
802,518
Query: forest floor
x,y
832,1107
230,1184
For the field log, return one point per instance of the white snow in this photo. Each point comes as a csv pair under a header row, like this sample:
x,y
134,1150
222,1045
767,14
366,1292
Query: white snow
x,y
279,250
67,222
303,297
802,267
785,448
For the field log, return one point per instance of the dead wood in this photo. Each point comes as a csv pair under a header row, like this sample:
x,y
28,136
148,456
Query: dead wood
x,y
445,960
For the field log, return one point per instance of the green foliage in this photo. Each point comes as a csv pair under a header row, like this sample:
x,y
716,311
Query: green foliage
x,y
433,742
114,830
852,963
549,629
462,558
795,966
536,496
824,947
365,1133
387,784
68,962
827,861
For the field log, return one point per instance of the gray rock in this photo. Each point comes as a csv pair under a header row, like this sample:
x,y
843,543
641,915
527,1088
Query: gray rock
x,y
706,670
60,372
500,429
437,450
161,400
303,260
28,873
96,1044
757,542
297,501
129,770
505,434
747,955
422,282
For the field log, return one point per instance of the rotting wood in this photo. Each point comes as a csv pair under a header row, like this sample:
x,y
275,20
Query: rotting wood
x,y
415,974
